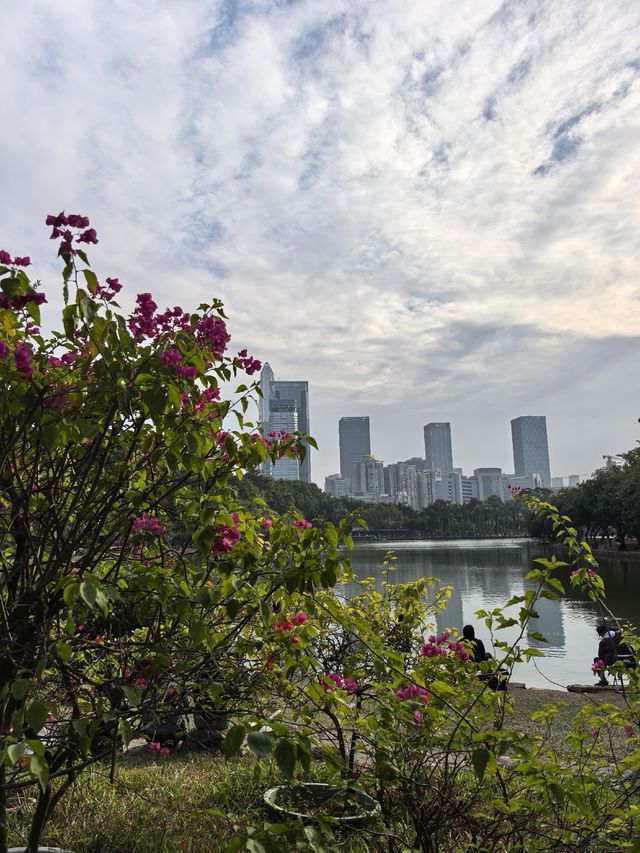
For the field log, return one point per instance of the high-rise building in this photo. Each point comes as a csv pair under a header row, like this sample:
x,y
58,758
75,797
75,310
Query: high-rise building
x,y
337,485
401,484
530,447
283,404
367,478
355,442
489,482
437,448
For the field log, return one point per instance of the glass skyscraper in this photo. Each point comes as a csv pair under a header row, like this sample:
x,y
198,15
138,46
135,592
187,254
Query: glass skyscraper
x,y
285,405
355,443
530,447
437,448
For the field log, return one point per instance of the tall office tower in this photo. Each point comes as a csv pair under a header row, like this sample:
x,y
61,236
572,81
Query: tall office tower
x,y
279,399
530,447
437,448
489,482
355,442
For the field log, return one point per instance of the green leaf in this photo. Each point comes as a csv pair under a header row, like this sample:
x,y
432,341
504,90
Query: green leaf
x,y
124,730
39,768
15,752
36,715
254,846
260,744
480,759
92,281
70,593
233,740
285,755
89,592
19,688
155,398
132,693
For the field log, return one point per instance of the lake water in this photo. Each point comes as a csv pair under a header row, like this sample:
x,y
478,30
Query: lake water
x,y
485,573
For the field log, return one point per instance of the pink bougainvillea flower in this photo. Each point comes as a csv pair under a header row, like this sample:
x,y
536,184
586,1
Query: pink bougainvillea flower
x,y
4,351
22,262
265,523
331,680
154,746
140,682
22,359
282,625
597,665
628,730
150,524
417,718
594,732
5,257
297,618
88,236
302,523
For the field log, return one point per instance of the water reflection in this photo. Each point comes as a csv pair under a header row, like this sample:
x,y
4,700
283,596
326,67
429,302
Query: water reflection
x,y
485,574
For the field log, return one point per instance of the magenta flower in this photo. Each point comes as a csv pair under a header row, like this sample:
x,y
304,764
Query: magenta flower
x,y
149,524
57,221
302,523
140,682
169,356
265,523
628,730
114,284
22,262
75,221
22,359
5,257
596,666
4,351
417,717
594,732
298,618
88,236
336,680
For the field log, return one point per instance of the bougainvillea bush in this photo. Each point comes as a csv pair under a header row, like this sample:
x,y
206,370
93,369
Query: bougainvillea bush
x,y
133,587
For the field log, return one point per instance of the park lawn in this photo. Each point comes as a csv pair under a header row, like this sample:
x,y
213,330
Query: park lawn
x,y
194,802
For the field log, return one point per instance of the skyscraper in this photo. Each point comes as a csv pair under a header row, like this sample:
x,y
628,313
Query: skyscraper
x,y
355,442
530,447
437,448
285,405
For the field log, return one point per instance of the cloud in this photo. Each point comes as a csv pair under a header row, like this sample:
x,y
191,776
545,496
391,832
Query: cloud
x,y
422,209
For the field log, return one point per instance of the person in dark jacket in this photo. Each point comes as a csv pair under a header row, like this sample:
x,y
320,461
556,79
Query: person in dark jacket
x,y
477,649
611,649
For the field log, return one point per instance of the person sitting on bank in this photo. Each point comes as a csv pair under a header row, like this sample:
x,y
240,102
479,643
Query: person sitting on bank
x,y
611,649
476,646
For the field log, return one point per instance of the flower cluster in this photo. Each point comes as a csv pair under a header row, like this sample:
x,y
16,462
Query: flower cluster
x,y
5,258
433,648
459,650
597,665
22,360
108,291
59,361
162,751
628,730
211,333
591,572
248,363
302,523
227,536
150,524
21,300
331,680
287,625
64,226
413,691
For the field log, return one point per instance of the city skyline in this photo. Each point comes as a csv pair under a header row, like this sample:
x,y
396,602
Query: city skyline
x,y
428,215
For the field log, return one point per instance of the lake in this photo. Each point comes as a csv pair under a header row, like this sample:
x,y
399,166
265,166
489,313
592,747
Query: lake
x,y
485,573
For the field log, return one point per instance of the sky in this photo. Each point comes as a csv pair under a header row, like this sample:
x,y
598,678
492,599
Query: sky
x,y
430,210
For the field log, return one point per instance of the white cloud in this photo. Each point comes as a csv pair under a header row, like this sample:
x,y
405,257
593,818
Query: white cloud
x,y
429,210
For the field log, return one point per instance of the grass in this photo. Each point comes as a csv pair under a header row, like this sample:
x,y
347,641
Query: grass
x,y
195,802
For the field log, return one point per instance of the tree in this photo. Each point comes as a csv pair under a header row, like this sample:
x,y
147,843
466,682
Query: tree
x,y
131,579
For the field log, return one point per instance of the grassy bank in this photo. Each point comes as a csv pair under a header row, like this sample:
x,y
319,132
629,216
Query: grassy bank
x,y
195,802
